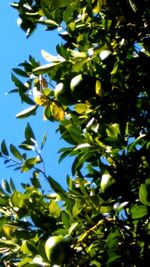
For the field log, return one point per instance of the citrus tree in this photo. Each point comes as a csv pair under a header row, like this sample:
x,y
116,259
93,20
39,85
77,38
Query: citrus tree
x,y
97,90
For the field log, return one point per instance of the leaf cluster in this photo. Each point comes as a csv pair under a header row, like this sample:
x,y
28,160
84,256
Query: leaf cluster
x,y
106,134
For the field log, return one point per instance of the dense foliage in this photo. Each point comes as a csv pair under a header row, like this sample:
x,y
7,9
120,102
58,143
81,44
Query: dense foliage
x,y
97,89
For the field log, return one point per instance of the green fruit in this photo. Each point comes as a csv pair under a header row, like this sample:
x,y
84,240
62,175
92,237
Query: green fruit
x,y
56,250
105,54
63,95
108,59
83,87
107,182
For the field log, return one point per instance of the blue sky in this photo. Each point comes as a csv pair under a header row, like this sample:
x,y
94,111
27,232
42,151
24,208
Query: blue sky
x,y
14,49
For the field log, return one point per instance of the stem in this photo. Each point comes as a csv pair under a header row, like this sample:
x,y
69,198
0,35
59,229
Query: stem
x,y
94,228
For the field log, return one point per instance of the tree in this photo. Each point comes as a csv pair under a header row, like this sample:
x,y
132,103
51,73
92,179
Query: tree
x,y
97,89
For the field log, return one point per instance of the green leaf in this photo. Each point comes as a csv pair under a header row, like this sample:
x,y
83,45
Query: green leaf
x,y
24,247
138,212
12,185
43,141
95,263
15,152
27,112
79,161
112,257
69,10
72,227
55,185
17,199
57,111
30,163
115,68
50,23
3,220
6,186
35,180
113,239
20,72
80,108
45,68
57,3
29,134
7,244
47,113
54,209
78,206
24,97
64,154
4,148
18,83
65,218
25,262
144,195
133,5
113,130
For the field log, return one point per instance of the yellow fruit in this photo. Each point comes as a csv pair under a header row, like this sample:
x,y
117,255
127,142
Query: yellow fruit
x,y
56,250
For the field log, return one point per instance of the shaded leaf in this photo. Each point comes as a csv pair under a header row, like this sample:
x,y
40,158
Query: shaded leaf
x,y
4,148
138,212
12,185
144,195
15,152
29,134
6,186
55,185
20,72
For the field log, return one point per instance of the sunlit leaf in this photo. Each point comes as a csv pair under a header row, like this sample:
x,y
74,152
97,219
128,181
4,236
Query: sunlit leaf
x,y
57,111
27,112
98,88
45,68
80,108
43,140
17,199
30,163
54,209
50,58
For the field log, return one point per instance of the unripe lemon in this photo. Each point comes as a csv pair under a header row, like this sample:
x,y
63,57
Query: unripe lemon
x,y
107,181
56,249
63,95
83,87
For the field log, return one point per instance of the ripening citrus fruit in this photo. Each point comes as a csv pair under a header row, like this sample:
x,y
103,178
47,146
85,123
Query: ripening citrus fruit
x,y
107,181
63,95
83,87
56,249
